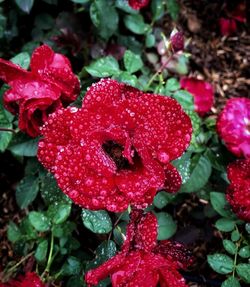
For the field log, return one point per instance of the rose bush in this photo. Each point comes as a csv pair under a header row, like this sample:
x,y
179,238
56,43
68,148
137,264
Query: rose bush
x,y
112,152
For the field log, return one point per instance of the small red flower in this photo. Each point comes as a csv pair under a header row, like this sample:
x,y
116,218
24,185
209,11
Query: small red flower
x,y
233,126
30,279
142,261
116,150
49,85
227,26
138,4
203,94
238,193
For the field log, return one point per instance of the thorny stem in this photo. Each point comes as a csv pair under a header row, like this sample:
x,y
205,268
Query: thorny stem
x,y
7,130
236,254
115,224
50,258
159,71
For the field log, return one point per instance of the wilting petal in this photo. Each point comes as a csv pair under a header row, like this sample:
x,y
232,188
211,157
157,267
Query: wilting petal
x,y
233,126
202,92
174,252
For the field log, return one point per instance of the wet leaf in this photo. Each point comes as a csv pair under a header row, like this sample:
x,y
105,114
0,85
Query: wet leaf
x,y
97,221
221,263
103,67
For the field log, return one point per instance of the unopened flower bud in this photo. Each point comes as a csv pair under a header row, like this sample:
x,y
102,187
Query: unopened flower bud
x,y
177,41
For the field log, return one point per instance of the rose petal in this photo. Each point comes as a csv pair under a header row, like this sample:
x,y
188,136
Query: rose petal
x,y
10,72
56,69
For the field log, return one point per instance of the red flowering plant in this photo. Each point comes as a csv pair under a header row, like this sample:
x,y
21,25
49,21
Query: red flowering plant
x,y
49,86
142,261
126,167
112,152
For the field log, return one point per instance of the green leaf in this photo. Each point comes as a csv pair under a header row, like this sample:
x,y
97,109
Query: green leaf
x,y
221,263
157,7
166,226
22,146
27,229
22,59
172,85
183,165
244,252
72,266
185,99
104,251
132,62
97,221
104,17
27,191
41,251
219,203
173,9
162,198
127,78
235,235
13,232
136,24
231,282
150,40
229,246
80,1
50,191
5,122
199,176
58,213
39,221
25,5
243,270
225,224
103,67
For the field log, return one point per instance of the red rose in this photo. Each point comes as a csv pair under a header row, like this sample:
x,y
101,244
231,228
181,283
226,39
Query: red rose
x,y
30,279
142,261
227,26
49,85
238,193
116,150
233,126
202,92
138,4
